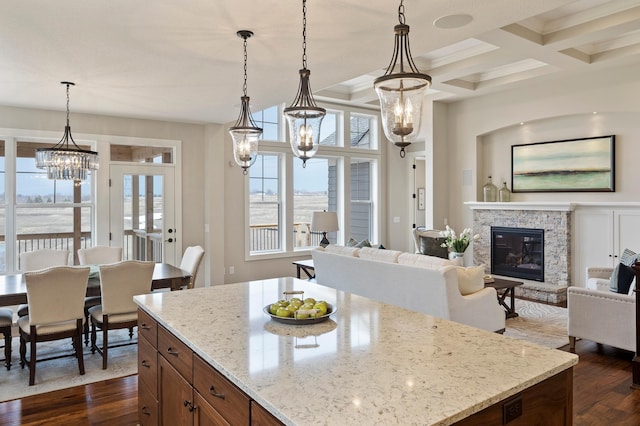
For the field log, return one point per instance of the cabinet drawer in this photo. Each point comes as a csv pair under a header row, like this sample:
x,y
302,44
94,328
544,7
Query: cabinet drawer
x,y
148,327
147,406
218,391
177,353
148,365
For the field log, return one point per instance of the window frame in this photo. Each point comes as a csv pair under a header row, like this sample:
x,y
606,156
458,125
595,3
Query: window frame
x,y
344,155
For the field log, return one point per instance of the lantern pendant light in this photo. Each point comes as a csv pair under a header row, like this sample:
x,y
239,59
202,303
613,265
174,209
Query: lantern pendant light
x,y
304,116
401,91
64,161
245,133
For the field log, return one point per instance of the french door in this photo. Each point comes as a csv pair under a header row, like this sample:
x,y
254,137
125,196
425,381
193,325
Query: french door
x,y
142,212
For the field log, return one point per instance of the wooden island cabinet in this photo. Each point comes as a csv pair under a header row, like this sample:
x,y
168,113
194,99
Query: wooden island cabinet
x,y
177,387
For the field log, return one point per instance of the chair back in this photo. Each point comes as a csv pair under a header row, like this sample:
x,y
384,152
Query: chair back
x,y
119,282
44,258
56,294
429,242
191,261
99,255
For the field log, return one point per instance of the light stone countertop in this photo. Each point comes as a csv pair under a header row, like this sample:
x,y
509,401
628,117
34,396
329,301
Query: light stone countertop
x,y
371,363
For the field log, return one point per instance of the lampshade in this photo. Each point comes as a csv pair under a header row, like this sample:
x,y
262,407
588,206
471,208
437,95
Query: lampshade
x,y
324,221
401,91
64,161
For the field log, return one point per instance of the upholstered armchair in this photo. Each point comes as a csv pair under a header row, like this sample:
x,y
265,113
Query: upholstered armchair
x,y
429,241
598,278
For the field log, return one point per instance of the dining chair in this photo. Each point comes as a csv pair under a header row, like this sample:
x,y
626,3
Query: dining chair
x,y
191,262
96,255
56,311
40,259
6,321
119,282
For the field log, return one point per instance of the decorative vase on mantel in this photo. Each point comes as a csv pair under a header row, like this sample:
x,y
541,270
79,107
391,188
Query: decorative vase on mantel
x,y
453,255
489,192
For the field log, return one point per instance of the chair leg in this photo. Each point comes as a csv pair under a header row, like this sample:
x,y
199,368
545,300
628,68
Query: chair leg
x,y
7,347
572,344
86,326
32,356
23,351
93,336
105,340
130,332
78,344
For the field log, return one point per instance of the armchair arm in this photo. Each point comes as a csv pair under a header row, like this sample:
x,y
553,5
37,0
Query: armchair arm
x,y
479,309
599,272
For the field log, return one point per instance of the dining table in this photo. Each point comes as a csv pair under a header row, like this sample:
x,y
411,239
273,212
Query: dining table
x,y
13,288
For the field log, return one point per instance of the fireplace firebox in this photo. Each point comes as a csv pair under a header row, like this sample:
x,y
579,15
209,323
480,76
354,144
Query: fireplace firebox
x,y
517,252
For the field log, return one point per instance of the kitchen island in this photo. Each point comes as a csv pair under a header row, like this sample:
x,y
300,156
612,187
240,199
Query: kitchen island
x,y
370,363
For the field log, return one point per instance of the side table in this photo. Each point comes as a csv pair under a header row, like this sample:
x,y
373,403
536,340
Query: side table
x,y
305,266
508,286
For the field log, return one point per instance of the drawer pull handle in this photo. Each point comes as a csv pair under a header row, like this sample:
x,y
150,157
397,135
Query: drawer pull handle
x,y
144,326
212,391
145,363
146,411
170,351
190,406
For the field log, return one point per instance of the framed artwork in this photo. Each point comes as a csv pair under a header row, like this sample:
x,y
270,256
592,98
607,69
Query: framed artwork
x,y
574,165
420,198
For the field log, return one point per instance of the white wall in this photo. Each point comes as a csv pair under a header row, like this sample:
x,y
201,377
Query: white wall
x,y
482,130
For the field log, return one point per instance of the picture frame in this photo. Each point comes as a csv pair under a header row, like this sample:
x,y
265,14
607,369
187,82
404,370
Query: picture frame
x,y
572,165
420,198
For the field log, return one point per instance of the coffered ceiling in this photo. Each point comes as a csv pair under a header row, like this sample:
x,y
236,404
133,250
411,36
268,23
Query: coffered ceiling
x,y
181,60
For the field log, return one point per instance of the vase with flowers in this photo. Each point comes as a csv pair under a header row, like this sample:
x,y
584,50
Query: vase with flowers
x,y
457,244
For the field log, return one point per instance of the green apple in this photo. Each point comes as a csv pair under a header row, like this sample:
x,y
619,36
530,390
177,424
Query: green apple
x,y
321,308
283,312
283,303
310,300
273,308
292,309
295,300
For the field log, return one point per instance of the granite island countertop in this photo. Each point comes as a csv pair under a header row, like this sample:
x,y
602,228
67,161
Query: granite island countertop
x,y
370,363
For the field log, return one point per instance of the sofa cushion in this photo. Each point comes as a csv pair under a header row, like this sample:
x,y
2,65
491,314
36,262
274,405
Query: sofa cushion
x,y
624,277
621,278
359,244
389,256
429,262
470,279
345,251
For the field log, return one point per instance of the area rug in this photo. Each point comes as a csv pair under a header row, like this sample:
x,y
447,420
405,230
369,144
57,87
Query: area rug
x,y
63,373
543,324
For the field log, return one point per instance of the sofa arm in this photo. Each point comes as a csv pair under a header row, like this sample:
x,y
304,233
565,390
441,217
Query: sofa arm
x,y
599,272
602,317
479,309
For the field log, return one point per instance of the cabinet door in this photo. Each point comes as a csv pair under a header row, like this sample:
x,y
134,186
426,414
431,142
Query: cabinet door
x,y
174,396
261,417
205,414
593,242
627,231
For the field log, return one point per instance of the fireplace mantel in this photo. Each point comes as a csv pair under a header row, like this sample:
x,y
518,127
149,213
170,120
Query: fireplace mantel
x,y
523,205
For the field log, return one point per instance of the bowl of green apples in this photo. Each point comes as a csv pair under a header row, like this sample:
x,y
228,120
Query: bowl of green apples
x,y
299,310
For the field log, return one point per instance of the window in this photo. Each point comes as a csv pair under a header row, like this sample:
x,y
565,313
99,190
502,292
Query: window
x,y
312,186
48,213
361,203
267,119
264,204
282,195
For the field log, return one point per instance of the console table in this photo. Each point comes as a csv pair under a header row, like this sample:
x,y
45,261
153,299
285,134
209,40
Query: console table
x,y
509,288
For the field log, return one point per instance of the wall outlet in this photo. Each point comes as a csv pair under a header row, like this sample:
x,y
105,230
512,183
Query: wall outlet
x,y
232,270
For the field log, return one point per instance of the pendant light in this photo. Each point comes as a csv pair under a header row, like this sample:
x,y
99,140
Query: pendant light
x,y
304,116
66,161
401,91
245,133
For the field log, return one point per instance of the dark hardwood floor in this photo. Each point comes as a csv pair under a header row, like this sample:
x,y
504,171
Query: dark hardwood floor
x,y
601,396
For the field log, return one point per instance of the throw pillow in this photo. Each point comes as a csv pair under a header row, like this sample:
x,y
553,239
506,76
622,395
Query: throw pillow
x,y
626,275
628,257
363,243
381,247
352,242
613,280
470,279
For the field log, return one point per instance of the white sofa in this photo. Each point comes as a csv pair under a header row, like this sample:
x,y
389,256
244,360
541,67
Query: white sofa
x,y
431,287
597,314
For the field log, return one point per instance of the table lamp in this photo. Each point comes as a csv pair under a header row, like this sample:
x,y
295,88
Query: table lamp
x,y
324,222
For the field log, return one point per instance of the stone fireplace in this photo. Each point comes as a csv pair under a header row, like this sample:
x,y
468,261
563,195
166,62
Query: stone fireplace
x,y
554,219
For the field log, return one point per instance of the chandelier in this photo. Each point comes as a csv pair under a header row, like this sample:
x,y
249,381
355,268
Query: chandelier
x,y
304,116
245,133
64,161
401,91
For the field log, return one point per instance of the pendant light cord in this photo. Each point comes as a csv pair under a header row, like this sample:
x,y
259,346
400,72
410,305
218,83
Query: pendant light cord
x,y
304,34
67,84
